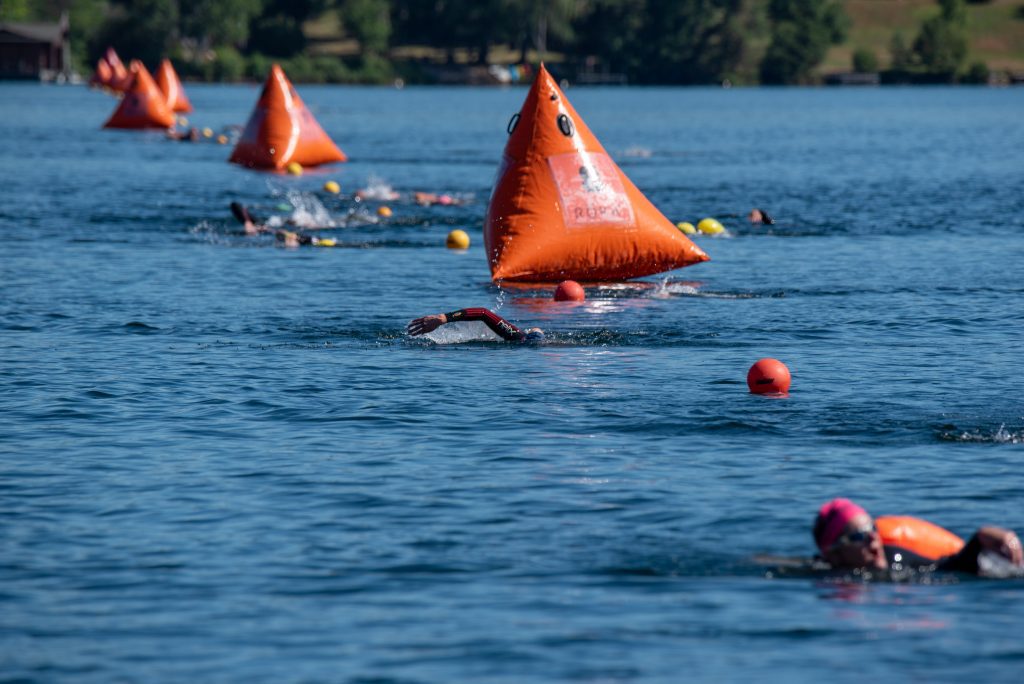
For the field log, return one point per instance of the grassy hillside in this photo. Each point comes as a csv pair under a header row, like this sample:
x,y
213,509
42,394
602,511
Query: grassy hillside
x,y
995,31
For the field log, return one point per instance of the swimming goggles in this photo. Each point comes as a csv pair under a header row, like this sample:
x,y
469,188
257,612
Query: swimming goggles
x,y
860,536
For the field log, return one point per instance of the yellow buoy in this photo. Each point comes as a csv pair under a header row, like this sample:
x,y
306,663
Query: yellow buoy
x,y
294,168
332,187
222,139
326,242
710,226
457,239
207,132
686,227
384,211
183,121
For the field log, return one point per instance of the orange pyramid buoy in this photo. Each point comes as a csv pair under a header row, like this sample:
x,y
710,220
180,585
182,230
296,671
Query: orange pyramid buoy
x,y
281,130
170,85
562,209
110,55
120,79
143,105
102,76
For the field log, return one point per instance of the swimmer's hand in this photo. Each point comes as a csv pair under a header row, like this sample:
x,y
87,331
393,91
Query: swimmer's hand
x,y
1001,541
421,326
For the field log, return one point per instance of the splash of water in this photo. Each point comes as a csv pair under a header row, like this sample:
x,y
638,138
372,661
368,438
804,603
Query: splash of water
x,y
461,332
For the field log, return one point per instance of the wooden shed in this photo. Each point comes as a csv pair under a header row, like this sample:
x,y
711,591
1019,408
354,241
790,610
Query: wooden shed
x,y
36,51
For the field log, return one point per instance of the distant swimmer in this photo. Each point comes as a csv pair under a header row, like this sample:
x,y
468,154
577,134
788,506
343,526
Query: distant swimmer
x,y
497,324
249,223
191,135
427,199
848,538
757,216
290,238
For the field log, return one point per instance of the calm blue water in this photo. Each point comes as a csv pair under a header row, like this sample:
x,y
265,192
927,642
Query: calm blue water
x,y
223,461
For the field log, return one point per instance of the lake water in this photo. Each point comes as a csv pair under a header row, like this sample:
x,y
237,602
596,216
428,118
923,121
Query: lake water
x,y
224,461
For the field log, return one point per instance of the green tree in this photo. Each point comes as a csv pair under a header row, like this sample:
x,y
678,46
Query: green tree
x,y
218,22
901,56
865,61
663,41
15,10
977,73
610,30
140,29
941,46
802,31
451,25
369,22
535,21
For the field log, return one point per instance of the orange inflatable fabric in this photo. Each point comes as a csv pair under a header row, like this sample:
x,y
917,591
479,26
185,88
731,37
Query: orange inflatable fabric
x,y
918,536
282,130
103,75
143,105
169,84
121,78
562,209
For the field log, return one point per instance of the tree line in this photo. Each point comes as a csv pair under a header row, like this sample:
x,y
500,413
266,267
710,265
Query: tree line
x,y
644,41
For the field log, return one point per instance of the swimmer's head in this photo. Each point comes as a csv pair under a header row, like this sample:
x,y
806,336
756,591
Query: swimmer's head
x,y
832,519
846,536
760,216
534,335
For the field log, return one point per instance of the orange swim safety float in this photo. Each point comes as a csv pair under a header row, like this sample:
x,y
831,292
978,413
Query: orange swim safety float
x,y
170,85
143,105
561,208
918,536
282,130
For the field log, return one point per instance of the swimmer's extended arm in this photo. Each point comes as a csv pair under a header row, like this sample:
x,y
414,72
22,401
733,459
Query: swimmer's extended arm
x,y
995,539
496,323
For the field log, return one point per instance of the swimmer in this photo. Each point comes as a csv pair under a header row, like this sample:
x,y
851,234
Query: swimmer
x,y
249,224
849,539
498,325
290,238
378,193
757,216
191,135
426,199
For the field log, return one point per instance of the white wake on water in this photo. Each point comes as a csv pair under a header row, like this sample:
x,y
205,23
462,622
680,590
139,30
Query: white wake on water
x,y
462,332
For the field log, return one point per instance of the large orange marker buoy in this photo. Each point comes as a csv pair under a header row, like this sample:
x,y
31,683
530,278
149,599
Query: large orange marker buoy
x,y
169,84
103,75
143,105
121,78
561,208
281,131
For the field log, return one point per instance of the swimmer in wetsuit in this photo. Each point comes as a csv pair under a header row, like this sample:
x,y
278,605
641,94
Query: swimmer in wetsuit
x,y
757,216
848,538
496,323
290,238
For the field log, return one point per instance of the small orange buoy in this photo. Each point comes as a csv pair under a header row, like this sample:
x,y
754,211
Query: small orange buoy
x,y
768,376
569,291
384,211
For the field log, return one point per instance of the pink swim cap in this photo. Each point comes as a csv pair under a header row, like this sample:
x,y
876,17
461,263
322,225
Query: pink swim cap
x,y
832,519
